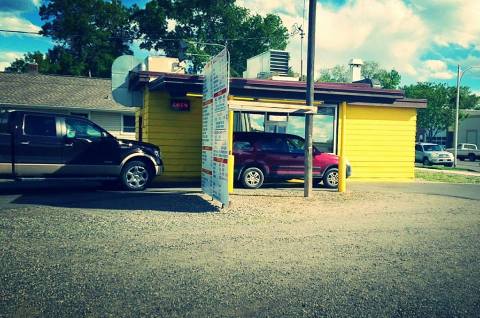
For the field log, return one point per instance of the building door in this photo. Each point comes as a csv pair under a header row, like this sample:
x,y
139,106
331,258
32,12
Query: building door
x,y
472,136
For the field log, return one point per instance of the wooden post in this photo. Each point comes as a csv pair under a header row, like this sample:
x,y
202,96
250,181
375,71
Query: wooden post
x,y
231,159
342,169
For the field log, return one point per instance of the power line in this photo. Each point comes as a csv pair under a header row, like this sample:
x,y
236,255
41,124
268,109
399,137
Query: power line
x,y
19,31
167,39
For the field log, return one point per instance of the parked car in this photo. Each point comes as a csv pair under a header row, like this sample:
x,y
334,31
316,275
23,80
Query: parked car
x,y
432,154
46,145
268,156
466,151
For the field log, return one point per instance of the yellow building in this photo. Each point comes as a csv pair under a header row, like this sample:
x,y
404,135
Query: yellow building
x,y
380,124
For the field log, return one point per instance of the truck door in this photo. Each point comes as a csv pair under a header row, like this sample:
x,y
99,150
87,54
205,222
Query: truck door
x,y
89,151
38,146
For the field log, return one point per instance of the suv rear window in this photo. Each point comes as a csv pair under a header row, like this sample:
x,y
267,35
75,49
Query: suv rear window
x,y
39,125
242,146
274,144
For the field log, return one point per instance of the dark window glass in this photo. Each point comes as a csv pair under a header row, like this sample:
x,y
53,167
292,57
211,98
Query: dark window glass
x,y
432,147
3,122
77,128
418,148
128,123
84,115
40,126
242,146
296,145
275,144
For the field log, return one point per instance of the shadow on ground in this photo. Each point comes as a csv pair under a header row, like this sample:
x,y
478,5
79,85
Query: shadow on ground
x,y
94,196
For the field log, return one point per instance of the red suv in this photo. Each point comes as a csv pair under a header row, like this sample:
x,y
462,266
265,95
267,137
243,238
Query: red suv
x,y
260,156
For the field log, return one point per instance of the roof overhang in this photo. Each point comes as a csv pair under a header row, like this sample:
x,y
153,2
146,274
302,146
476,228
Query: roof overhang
x,y
178,85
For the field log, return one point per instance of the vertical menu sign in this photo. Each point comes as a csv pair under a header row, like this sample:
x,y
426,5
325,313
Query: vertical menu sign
x,y
207,142
215,128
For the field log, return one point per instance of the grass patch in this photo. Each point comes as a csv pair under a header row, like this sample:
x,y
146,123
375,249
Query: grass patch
x,y
443,168
446,177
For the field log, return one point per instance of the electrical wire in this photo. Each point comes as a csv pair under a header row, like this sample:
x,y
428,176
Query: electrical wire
x,y
19,31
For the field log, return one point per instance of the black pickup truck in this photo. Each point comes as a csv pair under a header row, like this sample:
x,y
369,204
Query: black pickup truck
x,y
45,145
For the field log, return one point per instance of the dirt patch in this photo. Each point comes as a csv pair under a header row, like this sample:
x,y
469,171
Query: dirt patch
x,y
272,253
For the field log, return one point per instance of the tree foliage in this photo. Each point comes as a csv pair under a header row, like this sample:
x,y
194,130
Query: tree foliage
x,y
215,22
441,105
88,35
370,69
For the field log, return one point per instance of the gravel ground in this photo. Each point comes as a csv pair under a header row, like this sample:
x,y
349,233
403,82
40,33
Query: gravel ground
x,y
270,254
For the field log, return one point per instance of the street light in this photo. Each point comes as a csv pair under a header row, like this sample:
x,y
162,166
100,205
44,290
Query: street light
x,y
460,74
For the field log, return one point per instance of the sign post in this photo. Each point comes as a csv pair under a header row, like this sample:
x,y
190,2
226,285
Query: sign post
x,y
215,128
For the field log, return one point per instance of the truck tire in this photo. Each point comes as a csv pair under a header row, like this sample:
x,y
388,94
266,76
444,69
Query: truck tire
x,y
426,162
472,157
252,178
135,176
330,178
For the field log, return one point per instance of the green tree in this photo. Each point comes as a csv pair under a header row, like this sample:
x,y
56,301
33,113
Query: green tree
x,y
88,36
370,69
336,74
440,111
37,57
217,21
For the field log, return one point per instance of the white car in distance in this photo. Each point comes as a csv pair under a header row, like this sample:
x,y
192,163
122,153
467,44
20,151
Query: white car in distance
x,y
466,151
432,154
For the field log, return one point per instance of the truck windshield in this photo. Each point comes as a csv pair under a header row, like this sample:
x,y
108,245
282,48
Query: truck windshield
x,y
432,148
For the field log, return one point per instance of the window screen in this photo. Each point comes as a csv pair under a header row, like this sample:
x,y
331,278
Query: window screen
x,y
36,125
128,124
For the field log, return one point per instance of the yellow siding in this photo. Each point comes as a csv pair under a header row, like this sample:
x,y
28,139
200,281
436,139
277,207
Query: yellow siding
x,y
380,142
178,134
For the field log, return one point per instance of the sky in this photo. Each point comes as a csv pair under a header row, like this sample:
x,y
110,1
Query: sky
x,y
424,40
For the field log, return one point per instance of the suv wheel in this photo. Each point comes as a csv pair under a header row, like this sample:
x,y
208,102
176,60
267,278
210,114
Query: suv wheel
x,y
135,176
252,178
330,178
472,157
426,162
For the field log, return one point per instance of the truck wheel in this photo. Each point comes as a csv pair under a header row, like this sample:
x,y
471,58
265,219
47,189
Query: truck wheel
x,y
461,158
472,157
426,162
252,178
450,164
330,178
135,176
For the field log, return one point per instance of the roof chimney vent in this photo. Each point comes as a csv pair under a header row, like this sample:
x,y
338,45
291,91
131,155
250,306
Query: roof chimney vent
x,y
355,70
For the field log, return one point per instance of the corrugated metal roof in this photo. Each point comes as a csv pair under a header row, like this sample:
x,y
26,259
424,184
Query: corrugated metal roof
x,y
26,89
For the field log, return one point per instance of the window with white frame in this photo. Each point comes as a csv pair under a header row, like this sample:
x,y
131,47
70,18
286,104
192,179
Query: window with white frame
x,y
128,124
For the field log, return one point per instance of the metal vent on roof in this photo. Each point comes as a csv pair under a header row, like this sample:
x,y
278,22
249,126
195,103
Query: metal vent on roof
x,y
279,62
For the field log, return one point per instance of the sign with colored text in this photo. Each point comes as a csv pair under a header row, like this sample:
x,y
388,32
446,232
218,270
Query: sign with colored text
x,y
215,128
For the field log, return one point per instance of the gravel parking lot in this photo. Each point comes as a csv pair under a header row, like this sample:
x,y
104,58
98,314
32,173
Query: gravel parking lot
x,y
172,253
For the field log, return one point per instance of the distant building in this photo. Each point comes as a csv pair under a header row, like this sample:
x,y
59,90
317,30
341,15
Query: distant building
x,y
468,128
82,96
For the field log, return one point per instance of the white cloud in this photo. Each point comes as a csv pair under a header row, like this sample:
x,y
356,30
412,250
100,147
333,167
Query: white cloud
x,y
435,69
8,57
391,32
12,22
451,21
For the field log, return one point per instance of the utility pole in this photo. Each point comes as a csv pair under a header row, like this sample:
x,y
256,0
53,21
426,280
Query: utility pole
x,y
312,8
457,106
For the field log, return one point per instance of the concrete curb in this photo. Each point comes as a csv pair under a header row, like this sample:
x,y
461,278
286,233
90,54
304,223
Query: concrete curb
x,y
464,173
